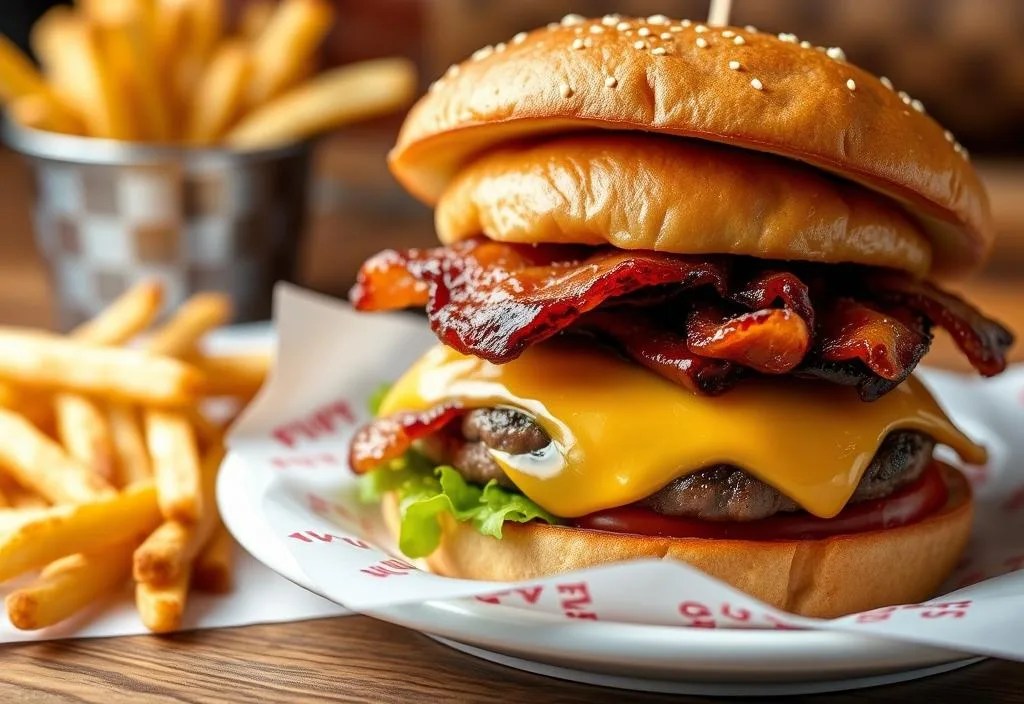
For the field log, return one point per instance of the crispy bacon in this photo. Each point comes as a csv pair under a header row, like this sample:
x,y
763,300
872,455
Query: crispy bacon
x,y
698,321
650,342
481,305
389,437
982,340
769,340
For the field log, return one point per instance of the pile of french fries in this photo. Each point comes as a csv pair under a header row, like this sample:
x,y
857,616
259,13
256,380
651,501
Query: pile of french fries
x,y
168,71
107,463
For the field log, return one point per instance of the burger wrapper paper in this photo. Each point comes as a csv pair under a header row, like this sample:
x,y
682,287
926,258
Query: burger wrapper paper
x,y
294,441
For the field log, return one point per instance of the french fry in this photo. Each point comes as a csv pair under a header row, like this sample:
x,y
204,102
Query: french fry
x,y
133,463
219,94
206,20
81,425
330,100
233,375
208,433
172,547
213,569
5,502
42,111
84,431
22,498
172,448
83,77
196,316
291,36
37,462
90,527
254,18
18,76
43,361
161,608
14,518
125,318
69,585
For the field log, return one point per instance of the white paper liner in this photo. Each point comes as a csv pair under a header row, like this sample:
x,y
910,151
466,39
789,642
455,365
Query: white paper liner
x,y
331,359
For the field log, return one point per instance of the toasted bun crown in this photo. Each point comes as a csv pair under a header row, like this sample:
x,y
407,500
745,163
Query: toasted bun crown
x,y
665,194
724,84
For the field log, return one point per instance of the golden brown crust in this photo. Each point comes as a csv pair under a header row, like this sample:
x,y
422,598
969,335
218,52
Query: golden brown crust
x,y
665,194
805,110
823,578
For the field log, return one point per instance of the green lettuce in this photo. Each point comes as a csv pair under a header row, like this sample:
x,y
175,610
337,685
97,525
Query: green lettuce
x,y
426,492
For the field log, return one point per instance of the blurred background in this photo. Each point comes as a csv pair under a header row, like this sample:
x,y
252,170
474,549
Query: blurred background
x,y
963,59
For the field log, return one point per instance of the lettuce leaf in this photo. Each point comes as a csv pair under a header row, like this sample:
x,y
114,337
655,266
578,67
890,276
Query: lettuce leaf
x,y
426,492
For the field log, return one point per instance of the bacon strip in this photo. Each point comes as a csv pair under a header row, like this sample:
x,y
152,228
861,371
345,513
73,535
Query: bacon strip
x,y
982,340
480,305
648,341
698,321
770,340
389,437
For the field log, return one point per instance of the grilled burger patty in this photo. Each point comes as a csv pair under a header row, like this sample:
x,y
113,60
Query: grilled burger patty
x,y
717,493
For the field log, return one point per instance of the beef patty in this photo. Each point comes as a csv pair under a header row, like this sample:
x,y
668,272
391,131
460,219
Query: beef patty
x,y
717,493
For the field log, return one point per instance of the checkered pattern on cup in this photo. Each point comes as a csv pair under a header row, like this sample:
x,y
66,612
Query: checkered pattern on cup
x,y
197,220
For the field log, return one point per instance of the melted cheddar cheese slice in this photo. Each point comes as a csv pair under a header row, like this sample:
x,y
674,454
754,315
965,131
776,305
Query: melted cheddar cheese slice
x,y
619,432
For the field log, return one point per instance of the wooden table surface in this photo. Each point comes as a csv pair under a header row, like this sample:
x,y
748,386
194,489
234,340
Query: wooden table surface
x,y
353,658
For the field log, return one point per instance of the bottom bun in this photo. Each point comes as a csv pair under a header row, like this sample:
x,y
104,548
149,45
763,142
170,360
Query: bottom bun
x,y
824,578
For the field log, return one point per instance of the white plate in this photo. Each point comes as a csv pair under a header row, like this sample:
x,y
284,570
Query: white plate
x,y
652,658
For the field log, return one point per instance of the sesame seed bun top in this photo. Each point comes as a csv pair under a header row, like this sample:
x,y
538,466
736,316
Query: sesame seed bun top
x,y
725,84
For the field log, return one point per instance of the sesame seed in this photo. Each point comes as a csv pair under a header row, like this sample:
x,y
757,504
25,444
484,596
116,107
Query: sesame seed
x,y
949,136
435,86
905,97
644,32
917,105
596,29
700,28
851,84
734,65
453,71
659,51
667,36
675,28
788,38
499,47
728,34
658,19
640,44
836,53
483,53
566,90
886,82
572,19
702,42
750,28
553,25
623,26
519,38
805,44
611,81
577,43
756,84
610,20
739,41
685,23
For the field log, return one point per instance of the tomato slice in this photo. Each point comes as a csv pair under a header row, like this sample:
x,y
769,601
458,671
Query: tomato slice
x,y
911,503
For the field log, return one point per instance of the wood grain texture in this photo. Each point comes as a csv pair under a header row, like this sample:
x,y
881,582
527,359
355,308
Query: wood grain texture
x,y
354,659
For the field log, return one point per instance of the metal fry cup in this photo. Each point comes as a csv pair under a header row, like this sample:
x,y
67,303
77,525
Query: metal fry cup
x,y
108,214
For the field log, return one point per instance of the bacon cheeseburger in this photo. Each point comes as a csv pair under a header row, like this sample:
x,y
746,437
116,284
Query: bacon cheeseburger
x,y
685,278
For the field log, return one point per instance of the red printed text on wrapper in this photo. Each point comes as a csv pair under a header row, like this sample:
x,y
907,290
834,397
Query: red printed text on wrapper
x,y
951,609
321,423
